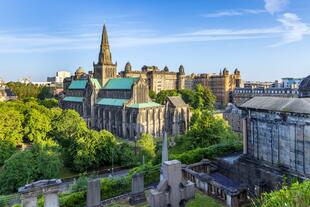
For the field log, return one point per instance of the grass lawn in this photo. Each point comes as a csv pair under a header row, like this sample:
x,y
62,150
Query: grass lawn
x,y
202,200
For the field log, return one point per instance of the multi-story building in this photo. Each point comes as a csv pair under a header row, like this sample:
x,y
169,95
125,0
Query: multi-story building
x,y
59,78
222,84
122,105
242,95
291,82
277,132
158,79
6,94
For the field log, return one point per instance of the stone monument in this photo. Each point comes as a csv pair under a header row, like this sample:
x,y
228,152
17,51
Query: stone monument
x,y
137,189
49,188
171,191
93,193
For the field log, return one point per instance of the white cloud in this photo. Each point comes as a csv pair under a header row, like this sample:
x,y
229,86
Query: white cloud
x,y
273,6
234,12
294,29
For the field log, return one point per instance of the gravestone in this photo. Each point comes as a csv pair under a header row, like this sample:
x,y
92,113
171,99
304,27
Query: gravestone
x,y
137,189
93,193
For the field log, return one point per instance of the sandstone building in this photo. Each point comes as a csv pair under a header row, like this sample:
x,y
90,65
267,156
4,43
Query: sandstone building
x,y
122,105
222,85
157,80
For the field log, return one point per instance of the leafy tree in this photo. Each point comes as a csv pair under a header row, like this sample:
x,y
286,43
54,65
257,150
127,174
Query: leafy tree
x,y
161,97
204,99
37,125
152,94
23,90
7,149
41,162
18,170
147,145
49,103
45,93
206,129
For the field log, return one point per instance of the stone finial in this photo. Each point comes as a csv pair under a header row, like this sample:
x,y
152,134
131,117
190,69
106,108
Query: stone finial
x,y
128,67
181,70
166,69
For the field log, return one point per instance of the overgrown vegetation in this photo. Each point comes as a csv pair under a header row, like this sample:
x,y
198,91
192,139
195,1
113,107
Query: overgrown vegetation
x,y
296,195
50,138
23,90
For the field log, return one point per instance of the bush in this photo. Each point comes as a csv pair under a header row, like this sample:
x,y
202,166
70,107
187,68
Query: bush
x,y
198,154
111,187
76,199
298,194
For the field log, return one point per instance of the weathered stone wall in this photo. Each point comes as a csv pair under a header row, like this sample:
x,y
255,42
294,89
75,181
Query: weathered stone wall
x,y
282,139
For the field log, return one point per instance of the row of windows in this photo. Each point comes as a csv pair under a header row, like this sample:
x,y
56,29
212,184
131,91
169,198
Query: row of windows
x,y
267,91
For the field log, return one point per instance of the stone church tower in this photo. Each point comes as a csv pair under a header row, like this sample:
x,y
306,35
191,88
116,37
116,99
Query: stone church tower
x,y
104,69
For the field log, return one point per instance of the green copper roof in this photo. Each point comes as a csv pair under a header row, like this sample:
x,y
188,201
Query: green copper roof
x,y
112,101
78,84
73,99
120,83
95,82
144,105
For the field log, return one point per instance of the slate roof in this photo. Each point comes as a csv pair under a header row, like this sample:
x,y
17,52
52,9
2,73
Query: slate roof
x,y
305,84
112,101
78,84
144,105
120,83
73,99
295,105
176,101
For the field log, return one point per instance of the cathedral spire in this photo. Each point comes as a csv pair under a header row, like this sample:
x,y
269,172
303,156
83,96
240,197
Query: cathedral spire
x,y
104,54
104,37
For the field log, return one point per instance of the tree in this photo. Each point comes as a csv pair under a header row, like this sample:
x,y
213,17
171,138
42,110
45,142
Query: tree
x,y
18,170
37,125
161,97
204,98
147,145
23,167
45,93
206,129
152,94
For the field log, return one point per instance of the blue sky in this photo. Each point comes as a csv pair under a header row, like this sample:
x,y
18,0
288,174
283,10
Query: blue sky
x,y
265,39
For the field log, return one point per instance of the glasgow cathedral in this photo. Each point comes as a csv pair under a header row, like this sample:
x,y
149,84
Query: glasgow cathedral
x,y
121,105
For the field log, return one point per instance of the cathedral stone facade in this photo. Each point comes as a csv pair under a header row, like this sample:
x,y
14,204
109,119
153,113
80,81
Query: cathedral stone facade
x,y
122,105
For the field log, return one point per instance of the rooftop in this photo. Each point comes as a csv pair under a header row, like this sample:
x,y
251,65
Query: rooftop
x,y
78,84
73,99
295,105
144,105
120,83
112,101
176,100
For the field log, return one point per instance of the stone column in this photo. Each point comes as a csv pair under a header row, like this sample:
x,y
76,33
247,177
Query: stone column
x,y
244,134
29,199
93,193
51,199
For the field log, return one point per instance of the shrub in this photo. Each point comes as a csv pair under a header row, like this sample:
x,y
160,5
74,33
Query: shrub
x,y
198,154
298,194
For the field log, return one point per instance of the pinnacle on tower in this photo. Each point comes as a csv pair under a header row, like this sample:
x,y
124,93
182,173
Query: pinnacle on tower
x,y
104,37
105,54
